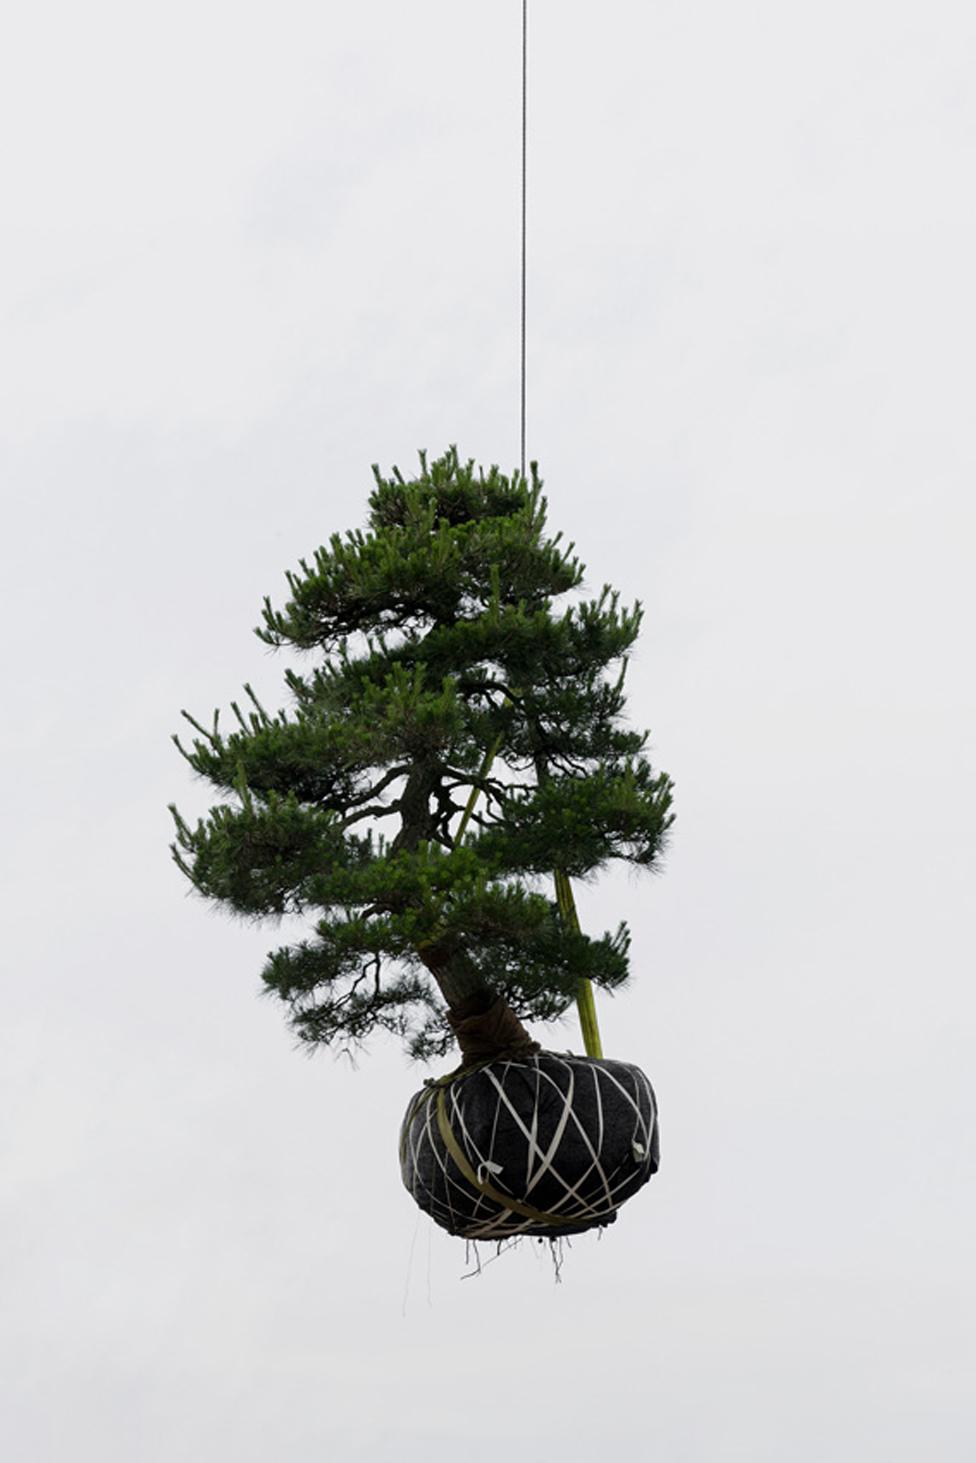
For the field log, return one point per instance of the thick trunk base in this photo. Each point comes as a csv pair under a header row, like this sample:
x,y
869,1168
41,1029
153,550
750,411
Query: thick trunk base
x,y
488,1030
485,1025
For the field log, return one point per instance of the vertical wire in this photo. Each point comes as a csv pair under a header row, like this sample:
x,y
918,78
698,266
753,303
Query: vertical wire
x,y
525,78
564,889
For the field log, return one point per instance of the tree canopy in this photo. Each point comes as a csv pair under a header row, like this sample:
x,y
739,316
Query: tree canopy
x,y
458,738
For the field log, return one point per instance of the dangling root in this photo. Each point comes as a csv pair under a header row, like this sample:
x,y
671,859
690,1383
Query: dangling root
x,y
558,1245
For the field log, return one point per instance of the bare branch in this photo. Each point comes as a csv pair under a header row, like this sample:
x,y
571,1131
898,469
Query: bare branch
x,y
486,686
375,810
377,787
472,779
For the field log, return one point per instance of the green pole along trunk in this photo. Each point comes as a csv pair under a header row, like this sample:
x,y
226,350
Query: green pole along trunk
x,y
565,899
585,1003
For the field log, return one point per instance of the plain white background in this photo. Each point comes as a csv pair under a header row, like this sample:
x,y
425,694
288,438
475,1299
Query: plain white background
x,y
250,250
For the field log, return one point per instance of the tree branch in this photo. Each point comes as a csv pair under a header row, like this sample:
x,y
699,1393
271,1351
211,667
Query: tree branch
x,y
377,787
375,810
466,685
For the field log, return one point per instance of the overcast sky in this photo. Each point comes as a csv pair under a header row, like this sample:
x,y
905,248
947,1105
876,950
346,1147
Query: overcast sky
x,y
249,250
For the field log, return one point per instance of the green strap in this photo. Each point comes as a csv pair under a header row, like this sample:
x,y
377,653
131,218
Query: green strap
x,y
584,989
490,1192
427,1092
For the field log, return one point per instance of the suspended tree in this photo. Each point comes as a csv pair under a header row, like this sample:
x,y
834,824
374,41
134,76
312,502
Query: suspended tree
x,y
453,756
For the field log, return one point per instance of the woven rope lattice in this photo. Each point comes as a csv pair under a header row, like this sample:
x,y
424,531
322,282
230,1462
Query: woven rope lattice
x,y
542,1145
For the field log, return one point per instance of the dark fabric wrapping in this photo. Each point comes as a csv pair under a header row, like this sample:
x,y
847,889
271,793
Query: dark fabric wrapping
x,y
566,1138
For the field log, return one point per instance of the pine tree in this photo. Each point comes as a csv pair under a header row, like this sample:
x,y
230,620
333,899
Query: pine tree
x,y
459,740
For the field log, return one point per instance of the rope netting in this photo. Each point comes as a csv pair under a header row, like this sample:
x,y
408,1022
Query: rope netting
x,y
545,1144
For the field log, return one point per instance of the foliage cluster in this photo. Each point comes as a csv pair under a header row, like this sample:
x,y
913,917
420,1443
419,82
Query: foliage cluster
x,y
458,738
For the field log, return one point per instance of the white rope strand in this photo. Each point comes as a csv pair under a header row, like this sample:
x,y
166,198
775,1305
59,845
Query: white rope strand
x,y
547,1145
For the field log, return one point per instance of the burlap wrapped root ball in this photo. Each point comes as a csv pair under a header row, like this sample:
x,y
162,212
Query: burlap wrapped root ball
x,y
545,1144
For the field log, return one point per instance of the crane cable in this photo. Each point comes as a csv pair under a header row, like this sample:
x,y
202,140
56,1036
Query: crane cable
x,y
565,900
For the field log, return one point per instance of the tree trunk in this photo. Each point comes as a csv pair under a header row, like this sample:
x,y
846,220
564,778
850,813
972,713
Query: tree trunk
x,y
484,1023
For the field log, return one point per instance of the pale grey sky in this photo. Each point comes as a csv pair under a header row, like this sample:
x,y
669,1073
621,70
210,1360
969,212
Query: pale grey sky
x,y
248,251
